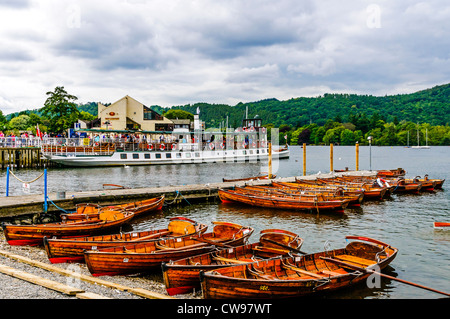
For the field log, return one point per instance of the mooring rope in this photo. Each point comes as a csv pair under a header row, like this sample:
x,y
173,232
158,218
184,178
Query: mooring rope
x,y
25,181
65,211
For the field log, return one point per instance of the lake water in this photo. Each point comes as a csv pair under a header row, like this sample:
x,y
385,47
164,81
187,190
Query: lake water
x,y
404,221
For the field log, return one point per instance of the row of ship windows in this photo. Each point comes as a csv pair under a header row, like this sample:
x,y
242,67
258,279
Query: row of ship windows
x,y
187,155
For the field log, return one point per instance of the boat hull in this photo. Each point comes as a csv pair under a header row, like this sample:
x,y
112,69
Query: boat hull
x,y
33,235
283,203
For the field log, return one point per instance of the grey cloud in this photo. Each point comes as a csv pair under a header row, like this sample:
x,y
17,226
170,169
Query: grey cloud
x,y
14,3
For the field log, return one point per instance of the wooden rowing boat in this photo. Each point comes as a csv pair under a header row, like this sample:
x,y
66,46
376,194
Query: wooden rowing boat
x,y
299,185
391,173
72,249
372,190
338,194
138,208
315,203
427,184
441,225
33,235
255,178
146,256
296,276
182,276
401,185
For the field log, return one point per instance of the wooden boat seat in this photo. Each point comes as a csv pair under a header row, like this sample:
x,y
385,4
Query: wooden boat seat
x,y
270,250
356,260
263,276
152,236
231,260
303,272
333,273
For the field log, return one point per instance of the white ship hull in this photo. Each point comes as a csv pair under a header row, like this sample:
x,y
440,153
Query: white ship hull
x,y
128,158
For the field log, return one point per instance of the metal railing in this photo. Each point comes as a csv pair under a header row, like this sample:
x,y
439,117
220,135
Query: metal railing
x,y
18,142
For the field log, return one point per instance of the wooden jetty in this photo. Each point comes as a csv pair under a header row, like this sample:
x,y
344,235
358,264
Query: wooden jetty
x,y
23,157
15,206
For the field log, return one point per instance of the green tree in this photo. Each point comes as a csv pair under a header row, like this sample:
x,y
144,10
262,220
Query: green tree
x,y
20,123
179,114
60,109
347,137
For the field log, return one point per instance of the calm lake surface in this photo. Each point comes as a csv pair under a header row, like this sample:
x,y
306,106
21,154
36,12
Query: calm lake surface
x,y
404,221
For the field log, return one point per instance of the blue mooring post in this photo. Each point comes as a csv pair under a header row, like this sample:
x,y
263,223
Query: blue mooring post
x,y
45,191
7,181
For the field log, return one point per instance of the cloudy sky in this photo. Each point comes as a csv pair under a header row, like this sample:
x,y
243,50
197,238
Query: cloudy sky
x,y
175,52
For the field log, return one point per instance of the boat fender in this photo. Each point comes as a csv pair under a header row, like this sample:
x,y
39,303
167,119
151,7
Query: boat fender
x,y
162,147
381,182
211,146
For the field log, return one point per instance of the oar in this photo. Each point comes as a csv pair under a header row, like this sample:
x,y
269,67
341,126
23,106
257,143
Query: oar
x,y
284,246
383,275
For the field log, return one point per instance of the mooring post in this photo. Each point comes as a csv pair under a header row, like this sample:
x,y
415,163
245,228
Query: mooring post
x,y
270,160
304,159
7,181
331,158
45,191
357,156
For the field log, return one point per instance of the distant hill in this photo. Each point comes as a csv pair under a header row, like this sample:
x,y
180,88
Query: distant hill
x,y
430,106
427,106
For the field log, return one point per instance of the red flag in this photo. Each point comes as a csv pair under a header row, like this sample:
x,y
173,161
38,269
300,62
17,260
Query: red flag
x,y
38,132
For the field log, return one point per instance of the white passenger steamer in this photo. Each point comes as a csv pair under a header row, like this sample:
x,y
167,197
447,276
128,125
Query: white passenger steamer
x,y
119,148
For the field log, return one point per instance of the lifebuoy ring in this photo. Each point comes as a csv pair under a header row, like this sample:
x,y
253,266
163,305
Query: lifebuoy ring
x,y
253,144
211,146
263,130
252,129
263,143
150,147
222,146
174,147
96,144
162,147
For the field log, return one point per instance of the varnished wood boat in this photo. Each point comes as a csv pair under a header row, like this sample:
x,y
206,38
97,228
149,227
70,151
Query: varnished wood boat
x,y
315,203
438,182
33,234
427,184
138,208
441,225
372,190
146,256
403,186
391,173
182,276
255,178
338,194
72,249
300,184
297,276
